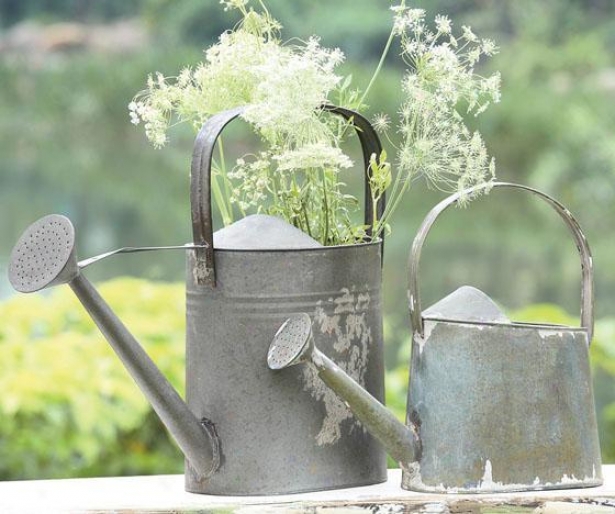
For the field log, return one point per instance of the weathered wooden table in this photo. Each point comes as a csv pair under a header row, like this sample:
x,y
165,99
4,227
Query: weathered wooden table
x,y
157,494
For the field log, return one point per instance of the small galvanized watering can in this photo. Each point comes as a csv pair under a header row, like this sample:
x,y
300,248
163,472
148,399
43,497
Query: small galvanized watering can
x,y
493,406
245,431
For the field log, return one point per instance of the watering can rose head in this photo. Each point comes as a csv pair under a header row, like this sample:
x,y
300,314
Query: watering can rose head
x,y
298,174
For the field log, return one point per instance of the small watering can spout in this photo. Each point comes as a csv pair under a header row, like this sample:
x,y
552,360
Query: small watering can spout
x,y
45,256
294,344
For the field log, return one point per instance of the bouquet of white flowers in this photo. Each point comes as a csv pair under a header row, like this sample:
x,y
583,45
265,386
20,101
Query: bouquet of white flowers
x,y
298,173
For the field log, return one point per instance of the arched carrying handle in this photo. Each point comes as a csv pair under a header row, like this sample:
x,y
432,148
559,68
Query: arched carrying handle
x,y
587,286
200,181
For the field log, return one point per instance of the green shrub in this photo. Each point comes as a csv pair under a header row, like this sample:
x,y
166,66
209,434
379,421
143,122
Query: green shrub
x,y
68,407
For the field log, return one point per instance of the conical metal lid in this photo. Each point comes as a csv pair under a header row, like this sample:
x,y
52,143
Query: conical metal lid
x,y
466,304
262,232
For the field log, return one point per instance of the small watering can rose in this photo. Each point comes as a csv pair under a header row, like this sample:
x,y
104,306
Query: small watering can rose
x,y
299,173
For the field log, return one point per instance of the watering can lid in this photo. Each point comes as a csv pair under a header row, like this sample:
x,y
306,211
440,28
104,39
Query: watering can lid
x,y
262,232
466,304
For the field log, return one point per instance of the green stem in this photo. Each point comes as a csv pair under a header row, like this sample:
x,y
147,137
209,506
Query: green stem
x,y
307,221
222,199
225,179
325,207
391,207
375,199
219,197
385,52
402,177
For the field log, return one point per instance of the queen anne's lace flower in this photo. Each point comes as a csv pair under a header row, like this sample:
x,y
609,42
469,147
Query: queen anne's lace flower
x,y
283,88
443,24
381,122
313,155
440,81
233,4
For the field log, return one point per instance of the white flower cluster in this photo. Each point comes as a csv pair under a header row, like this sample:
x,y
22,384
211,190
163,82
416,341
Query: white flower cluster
x,y
296,176
283,87
443,65
229,5
441,81
153,114
313,155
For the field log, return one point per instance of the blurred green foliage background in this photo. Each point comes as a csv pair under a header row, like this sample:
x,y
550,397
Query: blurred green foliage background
x,y
68,69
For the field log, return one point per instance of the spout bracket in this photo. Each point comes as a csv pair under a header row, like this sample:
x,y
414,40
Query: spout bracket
x,y
216,455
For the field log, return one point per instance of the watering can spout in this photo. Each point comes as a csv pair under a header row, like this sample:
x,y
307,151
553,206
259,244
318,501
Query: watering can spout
x,y
45,256
294,344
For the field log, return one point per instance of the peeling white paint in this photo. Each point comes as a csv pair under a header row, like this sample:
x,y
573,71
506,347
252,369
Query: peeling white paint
x,y
428,327
568,479
412,470
352,337
487,481
420,341
552,333
414,481
380,509
200,271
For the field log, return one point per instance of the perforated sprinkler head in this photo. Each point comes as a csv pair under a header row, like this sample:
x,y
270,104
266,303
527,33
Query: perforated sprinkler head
x,y
292,344
44,256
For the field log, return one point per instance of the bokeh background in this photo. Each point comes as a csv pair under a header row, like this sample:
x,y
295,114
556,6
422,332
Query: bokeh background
x,y
68,69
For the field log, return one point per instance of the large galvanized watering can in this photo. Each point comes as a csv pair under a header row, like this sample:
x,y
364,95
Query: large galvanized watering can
x,y
492,405
245,431
288,433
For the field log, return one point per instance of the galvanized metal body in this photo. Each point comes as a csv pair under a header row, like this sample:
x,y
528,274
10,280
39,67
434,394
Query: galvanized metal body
x,y
501,406
286,432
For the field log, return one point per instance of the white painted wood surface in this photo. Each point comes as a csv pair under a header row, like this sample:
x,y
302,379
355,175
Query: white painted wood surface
x,y
165,493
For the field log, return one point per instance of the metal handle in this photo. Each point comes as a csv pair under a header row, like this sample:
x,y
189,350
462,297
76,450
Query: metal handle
x,y
587,282
200,180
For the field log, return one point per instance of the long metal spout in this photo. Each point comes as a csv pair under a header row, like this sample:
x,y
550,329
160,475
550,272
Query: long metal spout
x,y
197,439
294,344
43,257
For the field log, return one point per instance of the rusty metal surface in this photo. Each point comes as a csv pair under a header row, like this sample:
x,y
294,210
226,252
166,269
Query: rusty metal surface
x,y
286,432
501,406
